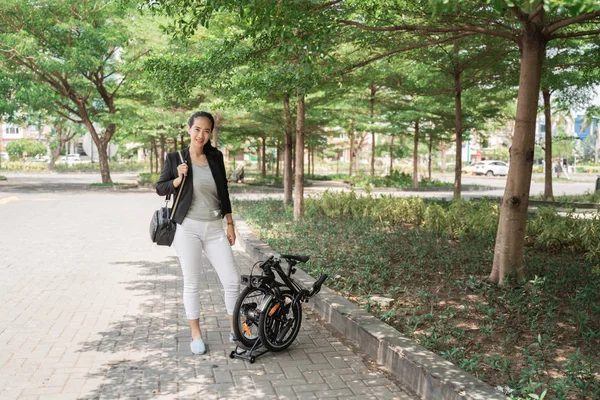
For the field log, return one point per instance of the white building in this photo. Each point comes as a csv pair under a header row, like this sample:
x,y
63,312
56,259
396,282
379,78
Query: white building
x,y
12,132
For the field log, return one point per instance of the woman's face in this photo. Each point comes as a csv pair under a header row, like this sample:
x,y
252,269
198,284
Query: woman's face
x,y
200,132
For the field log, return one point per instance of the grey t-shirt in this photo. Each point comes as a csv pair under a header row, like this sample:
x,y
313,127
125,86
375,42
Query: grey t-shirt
x,y
205,202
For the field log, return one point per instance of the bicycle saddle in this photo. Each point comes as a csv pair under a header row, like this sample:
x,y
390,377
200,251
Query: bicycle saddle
x,y
296,258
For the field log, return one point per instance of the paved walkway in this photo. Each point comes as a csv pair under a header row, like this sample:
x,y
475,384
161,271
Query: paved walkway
x,y
90,309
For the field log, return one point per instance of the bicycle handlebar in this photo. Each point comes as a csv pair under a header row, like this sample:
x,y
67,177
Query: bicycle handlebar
x,y
316,288
272,261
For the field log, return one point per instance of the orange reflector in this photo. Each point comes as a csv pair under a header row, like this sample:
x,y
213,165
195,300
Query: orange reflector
x,y
272,311
246,329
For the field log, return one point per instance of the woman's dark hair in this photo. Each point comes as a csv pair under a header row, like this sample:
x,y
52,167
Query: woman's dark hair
x,y
208,147
202,114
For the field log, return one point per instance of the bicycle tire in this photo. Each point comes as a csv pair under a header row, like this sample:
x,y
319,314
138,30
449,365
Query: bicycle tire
x,y
275,318
245,317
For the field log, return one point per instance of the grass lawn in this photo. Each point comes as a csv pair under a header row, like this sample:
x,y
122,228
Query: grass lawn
x,y
544,335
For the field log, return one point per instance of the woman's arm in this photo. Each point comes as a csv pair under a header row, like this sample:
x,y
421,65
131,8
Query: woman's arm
x,y
165,184
226,201
230,229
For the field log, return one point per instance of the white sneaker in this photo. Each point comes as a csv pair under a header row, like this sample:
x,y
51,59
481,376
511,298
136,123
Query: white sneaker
x,y
197,346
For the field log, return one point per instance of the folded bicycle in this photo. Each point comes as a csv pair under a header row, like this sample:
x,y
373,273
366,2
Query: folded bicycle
x,y
268,312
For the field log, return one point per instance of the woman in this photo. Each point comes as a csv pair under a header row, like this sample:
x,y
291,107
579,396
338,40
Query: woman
x,y
204,201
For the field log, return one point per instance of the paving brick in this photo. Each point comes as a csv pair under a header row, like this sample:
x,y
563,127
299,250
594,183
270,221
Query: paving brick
x,y
292,372
323,394
306,396
311,387
313,377
335,382
288,382
358,387
264,388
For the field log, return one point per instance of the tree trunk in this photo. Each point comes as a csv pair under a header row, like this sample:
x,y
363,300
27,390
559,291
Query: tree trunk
x,y
443,156
103,154
215,132
181,138
313,161
62,141
308,160
457,124
100,142
548,195
415,177
299,164
151,156
103,161
156,157
597,143
287,152
508,252
264,157
351,147
429,157
102,146
277,156
162,152
391,154
371,111
258,156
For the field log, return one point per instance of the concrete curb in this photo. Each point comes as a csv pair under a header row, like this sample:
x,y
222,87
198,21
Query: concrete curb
x,y
555,204
420,370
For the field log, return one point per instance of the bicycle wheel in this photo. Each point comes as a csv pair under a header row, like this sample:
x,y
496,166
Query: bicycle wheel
x,y
245,316
279,324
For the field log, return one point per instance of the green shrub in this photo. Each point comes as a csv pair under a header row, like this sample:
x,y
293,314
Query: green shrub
x,y
587,197
396,179
3,178
546,229
315,177
268,180
17,148
482,219
149,178
28,166
24,166
114,166
436,219
549,230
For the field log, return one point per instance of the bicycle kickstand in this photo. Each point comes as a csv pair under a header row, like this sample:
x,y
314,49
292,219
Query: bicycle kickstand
x,y
250,354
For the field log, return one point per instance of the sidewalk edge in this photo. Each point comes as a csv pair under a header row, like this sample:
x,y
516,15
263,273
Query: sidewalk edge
x,y
419,369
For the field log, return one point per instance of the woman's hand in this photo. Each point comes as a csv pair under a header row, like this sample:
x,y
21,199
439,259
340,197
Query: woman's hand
x,y
182,170
231,234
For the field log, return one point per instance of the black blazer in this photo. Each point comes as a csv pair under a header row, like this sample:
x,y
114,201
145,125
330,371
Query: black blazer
x,y
164,186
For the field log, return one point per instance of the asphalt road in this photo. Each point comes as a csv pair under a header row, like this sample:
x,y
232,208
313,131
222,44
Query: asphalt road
x,y
80,182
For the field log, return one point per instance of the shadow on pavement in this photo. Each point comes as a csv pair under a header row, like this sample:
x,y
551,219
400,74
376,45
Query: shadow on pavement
x,y
147,355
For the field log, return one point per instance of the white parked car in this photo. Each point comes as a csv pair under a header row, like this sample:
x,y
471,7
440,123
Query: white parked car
x,y
69,159
470,169
492,168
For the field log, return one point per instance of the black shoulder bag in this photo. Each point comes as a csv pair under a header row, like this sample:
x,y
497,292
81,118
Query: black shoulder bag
x,y
162,226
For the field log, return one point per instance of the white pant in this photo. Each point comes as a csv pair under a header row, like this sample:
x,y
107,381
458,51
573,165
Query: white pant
x,y
191,238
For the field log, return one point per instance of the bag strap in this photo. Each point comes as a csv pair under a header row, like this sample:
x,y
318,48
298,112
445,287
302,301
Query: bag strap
x,y
180,189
